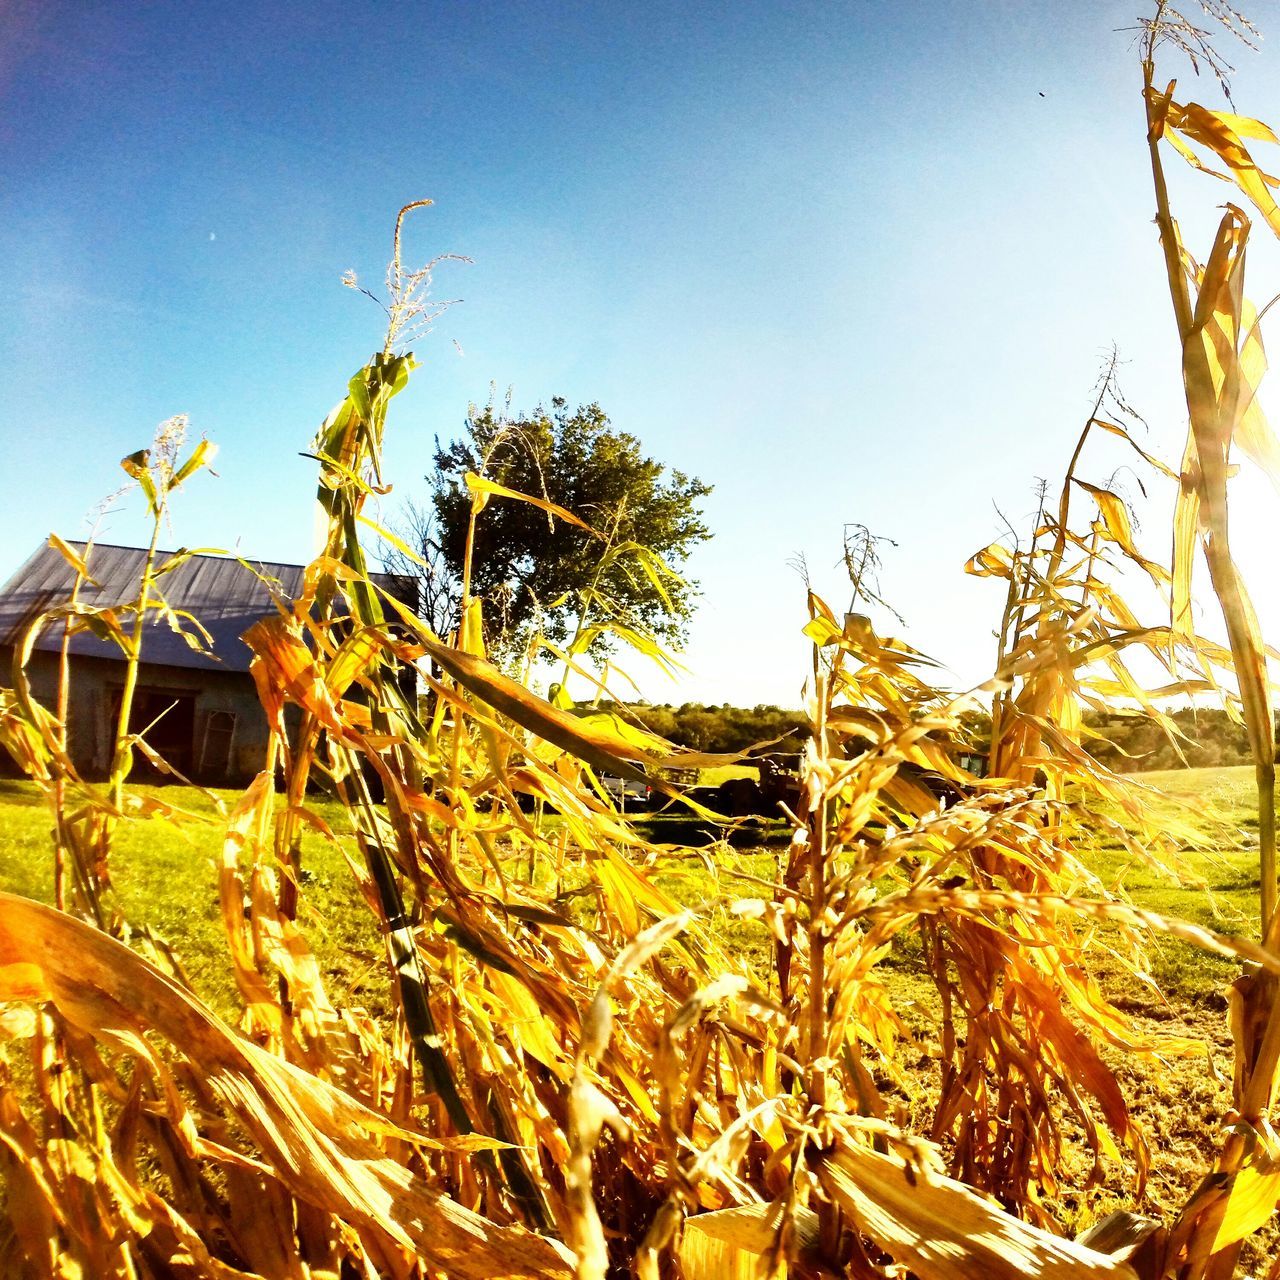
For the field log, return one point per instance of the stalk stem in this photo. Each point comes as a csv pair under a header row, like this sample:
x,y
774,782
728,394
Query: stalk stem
x,y
124,756
60,783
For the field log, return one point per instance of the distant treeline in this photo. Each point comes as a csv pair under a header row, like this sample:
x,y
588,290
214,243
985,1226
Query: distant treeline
x,y
1127,744
1131,744
712,728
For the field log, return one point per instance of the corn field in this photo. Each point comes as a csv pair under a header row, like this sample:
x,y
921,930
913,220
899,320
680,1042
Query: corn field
x,y
576,1075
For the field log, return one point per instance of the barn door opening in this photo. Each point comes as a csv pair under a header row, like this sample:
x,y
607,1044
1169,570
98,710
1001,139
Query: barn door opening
x,y
166,719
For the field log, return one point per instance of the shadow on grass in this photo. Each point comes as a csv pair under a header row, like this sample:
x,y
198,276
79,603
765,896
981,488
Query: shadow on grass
x,y
696,833
20,791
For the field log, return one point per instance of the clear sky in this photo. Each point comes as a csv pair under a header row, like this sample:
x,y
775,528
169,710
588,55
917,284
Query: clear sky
x,y
848,262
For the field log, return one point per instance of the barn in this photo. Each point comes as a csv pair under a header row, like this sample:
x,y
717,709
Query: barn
x,y
200,711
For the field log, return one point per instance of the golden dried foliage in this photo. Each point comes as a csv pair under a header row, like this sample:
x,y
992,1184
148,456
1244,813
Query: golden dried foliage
x,y
604,1089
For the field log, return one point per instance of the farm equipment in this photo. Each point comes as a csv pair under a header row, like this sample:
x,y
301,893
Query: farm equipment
x,y
777,786
778,789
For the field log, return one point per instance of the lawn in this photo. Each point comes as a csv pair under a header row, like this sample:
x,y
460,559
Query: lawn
x,y
165,875
166,878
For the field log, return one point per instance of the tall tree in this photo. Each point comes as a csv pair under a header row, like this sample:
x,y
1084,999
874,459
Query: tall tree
x,y
534,570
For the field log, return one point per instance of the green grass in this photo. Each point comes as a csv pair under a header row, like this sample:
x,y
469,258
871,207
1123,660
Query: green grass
x,y
165,876
166,879
1214,881
722,773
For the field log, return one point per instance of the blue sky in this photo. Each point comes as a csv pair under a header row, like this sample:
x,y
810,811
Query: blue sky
x,y
845,262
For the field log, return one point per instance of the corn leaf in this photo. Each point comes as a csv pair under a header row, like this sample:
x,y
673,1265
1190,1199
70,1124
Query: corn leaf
x,y
941,1230
482,489
320,1140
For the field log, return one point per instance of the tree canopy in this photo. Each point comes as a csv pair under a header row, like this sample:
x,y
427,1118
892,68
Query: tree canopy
x,y
534,569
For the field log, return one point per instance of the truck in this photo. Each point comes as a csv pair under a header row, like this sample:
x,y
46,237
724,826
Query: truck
x,y
625,793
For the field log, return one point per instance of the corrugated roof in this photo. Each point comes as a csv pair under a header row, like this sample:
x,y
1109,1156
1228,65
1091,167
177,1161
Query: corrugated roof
x,y
221,592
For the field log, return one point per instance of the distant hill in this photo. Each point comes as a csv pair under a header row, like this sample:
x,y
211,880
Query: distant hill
x,y
1127,744
1132,744
712,728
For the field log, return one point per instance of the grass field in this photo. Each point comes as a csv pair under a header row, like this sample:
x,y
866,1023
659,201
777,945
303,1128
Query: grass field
x,y
166,879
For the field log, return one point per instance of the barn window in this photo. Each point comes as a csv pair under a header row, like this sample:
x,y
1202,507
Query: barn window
x,y
219,730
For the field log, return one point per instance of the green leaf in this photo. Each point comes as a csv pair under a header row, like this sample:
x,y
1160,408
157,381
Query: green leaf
x,y
201,456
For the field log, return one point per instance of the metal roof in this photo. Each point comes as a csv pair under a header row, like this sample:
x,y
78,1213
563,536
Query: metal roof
x,y
225,595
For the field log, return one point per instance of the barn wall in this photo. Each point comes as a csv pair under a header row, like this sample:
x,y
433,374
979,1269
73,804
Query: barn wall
x,y
95,683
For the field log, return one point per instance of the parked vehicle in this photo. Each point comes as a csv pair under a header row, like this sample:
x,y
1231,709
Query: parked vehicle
x,y
777,790
626,793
